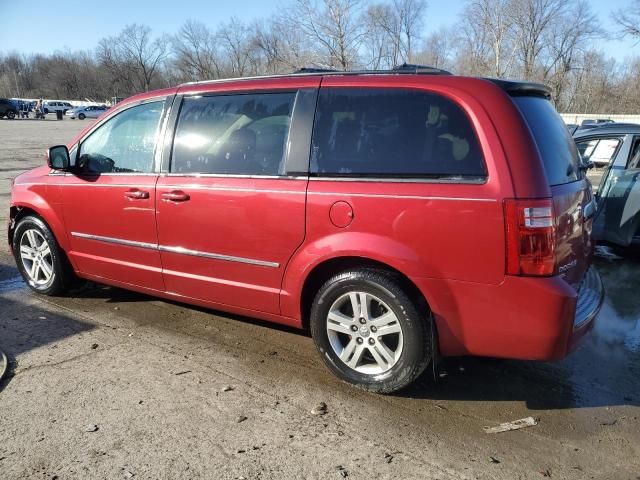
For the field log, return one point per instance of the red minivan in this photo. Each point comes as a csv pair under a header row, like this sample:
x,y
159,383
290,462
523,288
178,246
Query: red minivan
x,y
399,215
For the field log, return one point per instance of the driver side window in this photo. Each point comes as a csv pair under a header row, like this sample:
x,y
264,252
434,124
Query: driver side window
x,y
124,144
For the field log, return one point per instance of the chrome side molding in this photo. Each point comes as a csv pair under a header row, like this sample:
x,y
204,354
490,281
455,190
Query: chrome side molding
x,y
217,256
117,241
178,250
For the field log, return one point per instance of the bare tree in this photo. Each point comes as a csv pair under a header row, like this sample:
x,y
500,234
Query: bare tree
x,y
382,36
629,20
133,56
497,37
392,31
551,41
283,47
195,52
437,49
411,19
568,38
472,46
236,45
532,18
334,26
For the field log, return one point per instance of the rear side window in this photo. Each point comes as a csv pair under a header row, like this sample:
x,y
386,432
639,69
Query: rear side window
x,y
393,133
557,148
242,134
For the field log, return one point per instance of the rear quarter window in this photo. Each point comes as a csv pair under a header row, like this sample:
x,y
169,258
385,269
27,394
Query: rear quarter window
x,y
555,143
395,133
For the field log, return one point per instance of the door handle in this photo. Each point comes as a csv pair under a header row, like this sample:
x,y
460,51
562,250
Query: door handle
x,y
136,194
175,196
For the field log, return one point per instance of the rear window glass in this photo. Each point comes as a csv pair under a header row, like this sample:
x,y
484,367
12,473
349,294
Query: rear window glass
x,y
243,134
393,133
557,148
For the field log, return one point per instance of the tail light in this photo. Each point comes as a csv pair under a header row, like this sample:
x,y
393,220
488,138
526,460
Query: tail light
x,y
530,237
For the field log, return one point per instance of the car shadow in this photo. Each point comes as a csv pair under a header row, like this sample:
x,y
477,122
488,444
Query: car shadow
x,y
603,372
25,327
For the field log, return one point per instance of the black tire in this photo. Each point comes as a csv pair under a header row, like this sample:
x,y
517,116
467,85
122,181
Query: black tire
x,y
11,114
81,116
412,316
62,276
46,111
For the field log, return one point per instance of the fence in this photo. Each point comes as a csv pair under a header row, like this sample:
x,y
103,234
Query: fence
x,y
577,118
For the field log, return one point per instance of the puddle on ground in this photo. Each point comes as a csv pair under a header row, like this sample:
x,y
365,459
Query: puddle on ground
x,y
10,284
618,323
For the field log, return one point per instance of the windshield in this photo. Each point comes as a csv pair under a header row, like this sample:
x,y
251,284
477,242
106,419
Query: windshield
x,y
556,146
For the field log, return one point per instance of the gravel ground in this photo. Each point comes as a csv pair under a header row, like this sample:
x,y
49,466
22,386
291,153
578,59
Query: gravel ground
x,y
110,384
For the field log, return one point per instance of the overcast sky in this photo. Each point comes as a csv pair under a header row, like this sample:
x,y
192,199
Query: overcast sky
x,y
43,26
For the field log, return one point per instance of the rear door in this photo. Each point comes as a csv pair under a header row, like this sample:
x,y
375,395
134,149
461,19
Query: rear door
x,y
231,208
573,200
619,220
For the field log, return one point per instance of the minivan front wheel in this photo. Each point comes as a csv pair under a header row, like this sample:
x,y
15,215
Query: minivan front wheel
x,y
40,260
369,332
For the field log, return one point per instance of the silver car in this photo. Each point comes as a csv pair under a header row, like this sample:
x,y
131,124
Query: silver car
x,y
93,111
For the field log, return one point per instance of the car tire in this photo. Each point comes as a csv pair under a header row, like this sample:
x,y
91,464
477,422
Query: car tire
x,y
46,111
11,114
40,260
81,116
392,336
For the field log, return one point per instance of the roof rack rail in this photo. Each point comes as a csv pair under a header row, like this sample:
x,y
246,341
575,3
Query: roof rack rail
x,y
412,68
315,70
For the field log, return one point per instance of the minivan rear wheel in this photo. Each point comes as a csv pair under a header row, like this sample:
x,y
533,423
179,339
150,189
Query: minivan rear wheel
x,y
369,331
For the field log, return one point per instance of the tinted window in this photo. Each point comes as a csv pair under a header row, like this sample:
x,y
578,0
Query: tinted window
x,y
391,132
125,143
557,148
233,134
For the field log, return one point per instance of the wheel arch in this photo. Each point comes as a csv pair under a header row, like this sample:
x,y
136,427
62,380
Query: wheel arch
x,y
324,270
43,211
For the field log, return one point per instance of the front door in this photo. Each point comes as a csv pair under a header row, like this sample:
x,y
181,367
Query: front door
x,y
230,213
109,200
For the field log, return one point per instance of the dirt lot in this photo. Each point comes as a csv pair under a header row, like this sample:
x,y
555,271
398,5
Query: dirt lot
x,y
111,384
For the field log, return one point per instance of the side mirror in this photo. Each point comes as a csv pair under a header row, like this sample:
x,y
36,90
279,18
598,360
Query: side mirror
x,y
58,158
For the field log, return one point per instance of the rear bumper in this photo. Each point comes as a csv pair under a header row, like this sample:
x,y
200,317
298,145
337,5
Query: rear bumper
x,y
588,304
522,318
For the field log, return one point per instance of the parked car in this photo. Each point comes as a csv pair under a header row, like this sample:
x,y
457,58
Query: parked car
x,y
8,108
572,127
616,149
52,107
93,111
398,215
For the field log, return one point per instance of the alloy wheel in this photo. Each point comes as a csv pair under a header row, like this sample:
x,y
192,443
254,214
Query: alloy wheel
x,y
36,258
364,333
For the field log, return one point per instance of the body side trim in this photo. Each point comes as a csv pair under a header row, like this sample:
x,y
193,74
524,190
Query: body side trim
x,y
178,250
